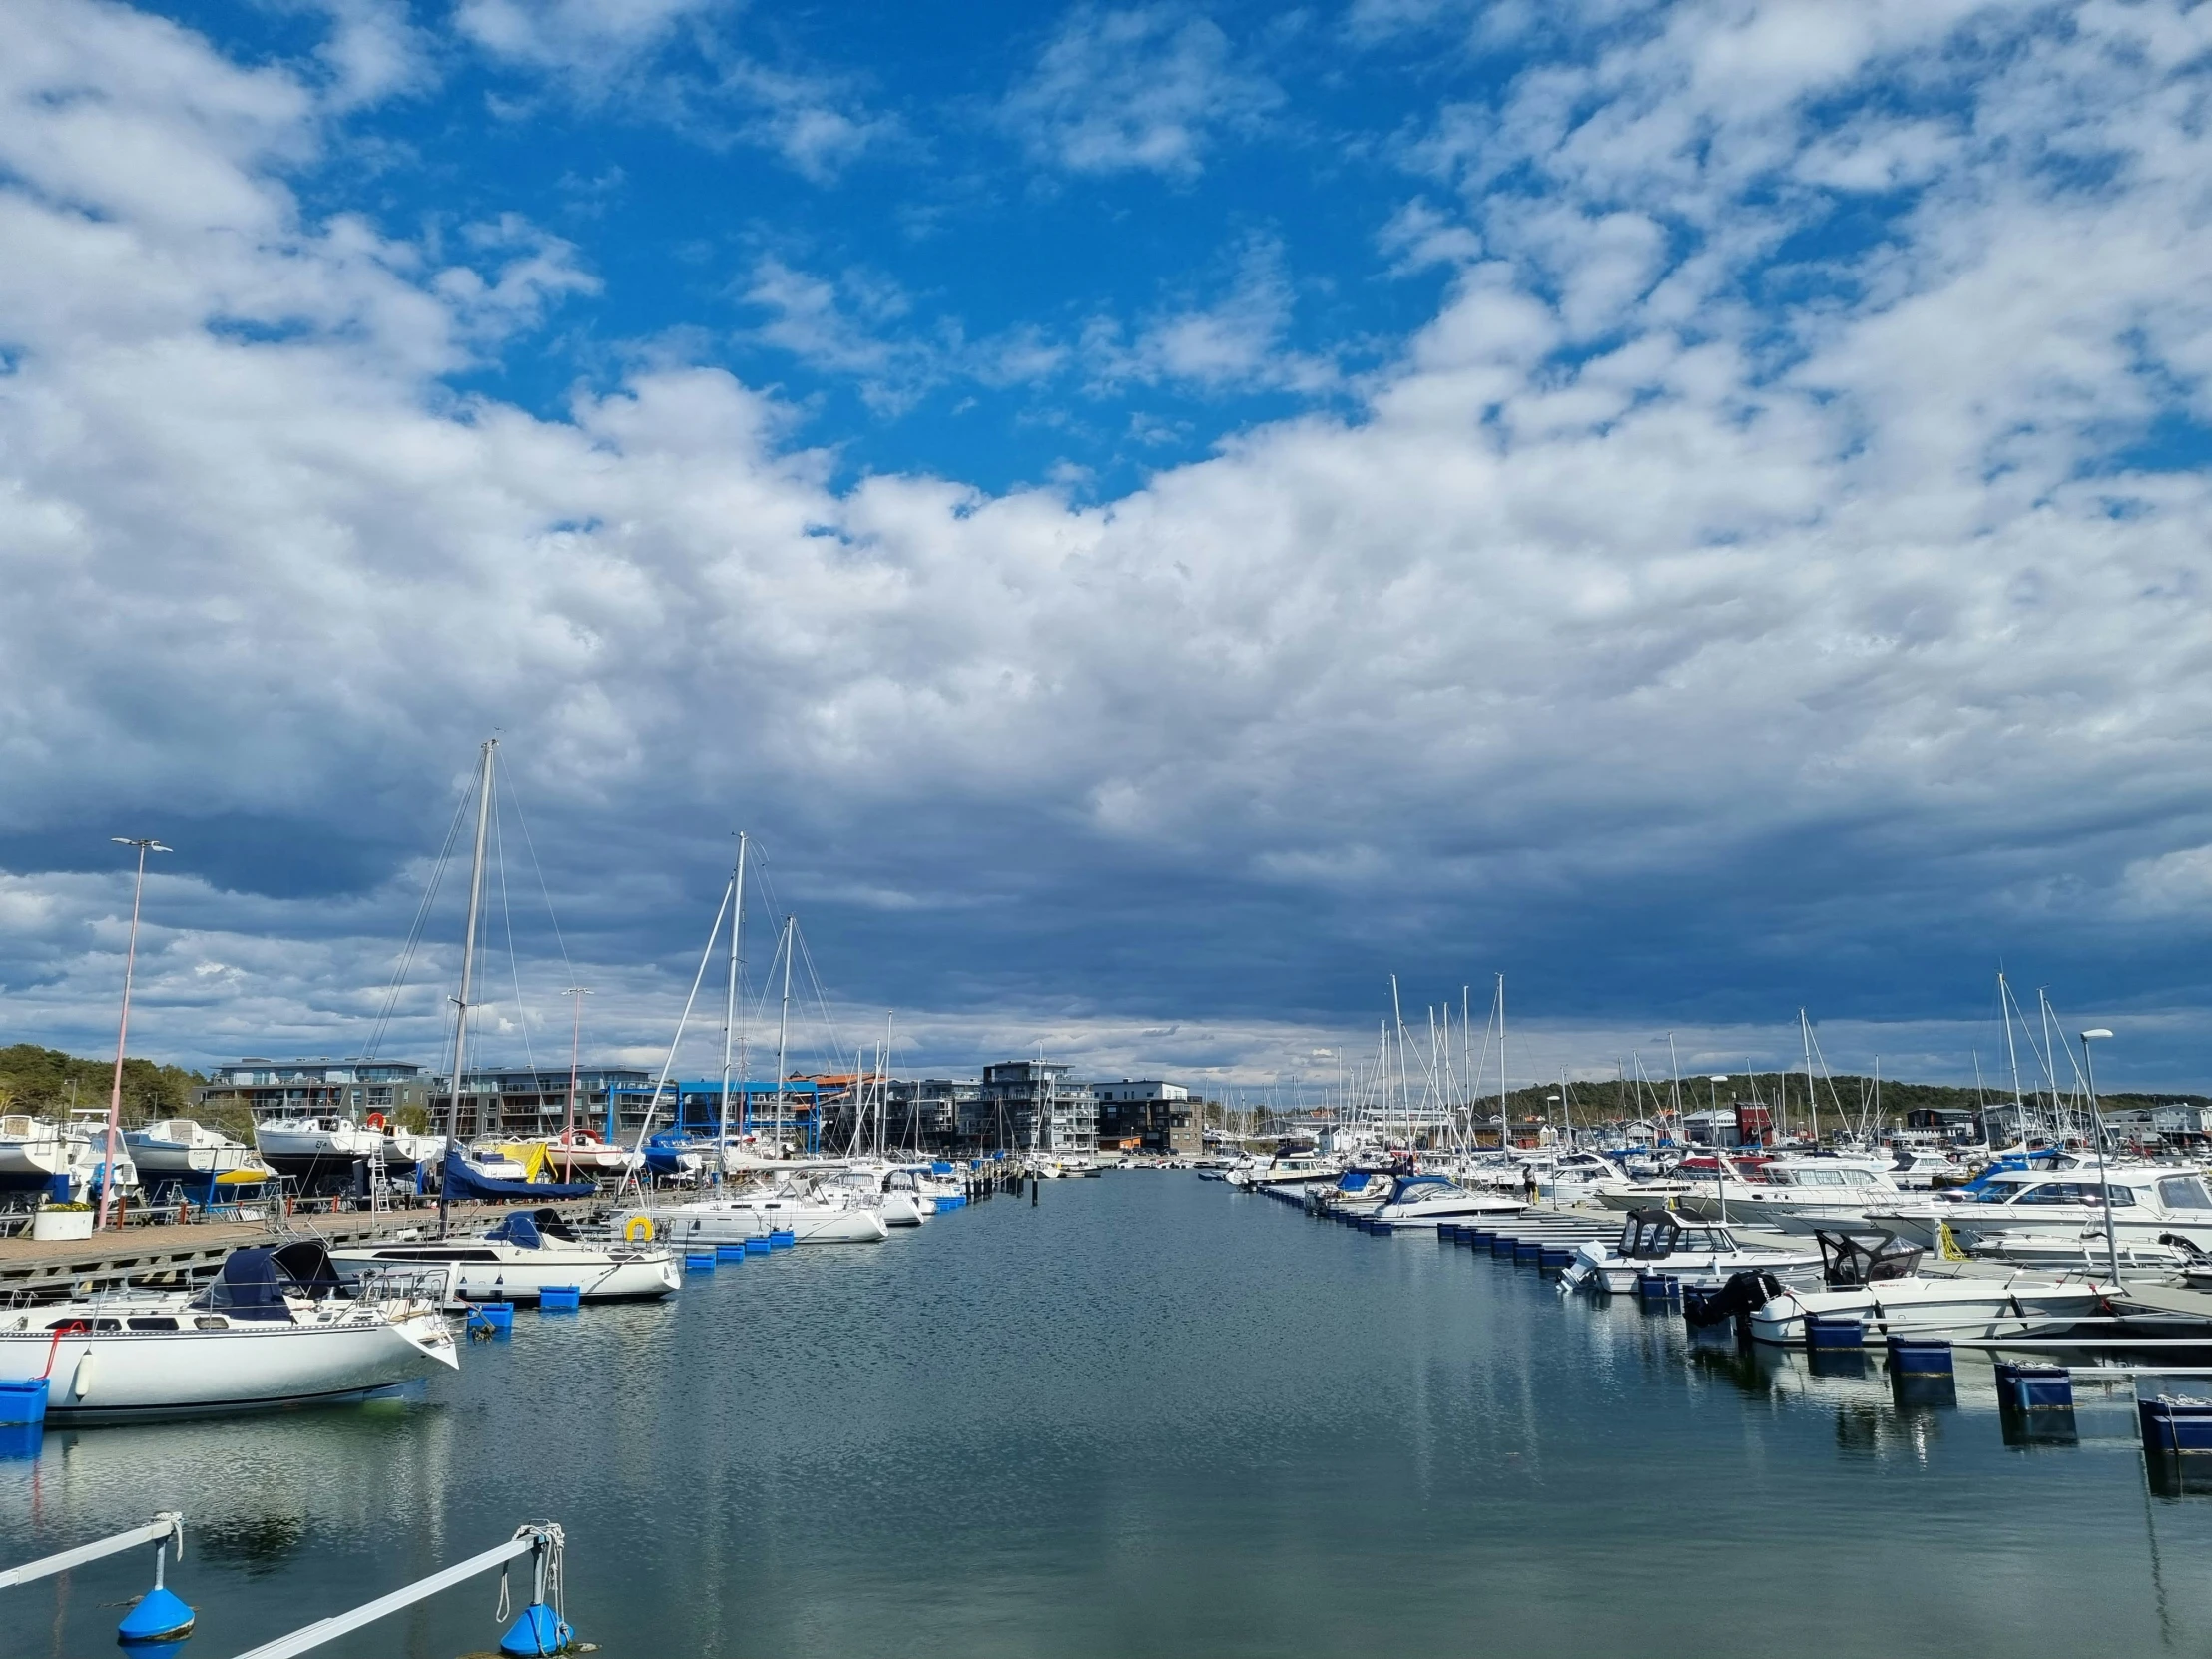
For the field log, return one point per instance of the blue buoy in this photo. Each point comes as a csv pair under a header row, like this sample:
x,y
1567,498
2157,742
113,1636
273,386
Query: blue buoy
x,y
160,1616
23,1403
729,1252
699,1260
492,1318
756,1247
537,1632
781,1238
559,1299
1825,1332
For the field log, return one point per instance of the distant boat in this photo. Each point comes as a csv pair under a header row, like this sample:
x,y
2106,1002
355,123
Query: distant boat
x,y
276,1328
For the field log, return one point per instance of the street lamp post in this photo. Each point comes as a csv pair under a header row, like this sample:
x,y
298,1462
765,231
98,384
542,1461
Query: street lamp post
x,y
2096,1116
123,1030
1720,1169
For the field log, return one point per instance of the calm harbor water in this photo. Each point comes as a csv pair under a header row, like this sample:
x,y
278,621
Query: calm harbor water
x,y
1147,1416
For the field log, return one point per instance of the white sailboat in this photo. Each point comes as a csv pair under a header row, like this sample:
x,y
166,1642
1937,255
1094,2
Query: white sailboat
x,y
520,1257
275,1328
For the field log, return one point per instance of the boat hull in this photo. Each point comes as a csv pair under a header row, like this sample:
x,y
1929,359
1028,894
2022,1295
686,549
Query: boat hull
x,y
524,1275
128,1376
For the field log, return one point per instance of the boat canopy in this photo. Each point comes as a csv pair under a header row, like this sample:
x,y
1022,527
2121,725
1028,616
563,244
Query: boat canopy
x,y
253,1283
1413,1185
1849,1262
1353,1181
519,1229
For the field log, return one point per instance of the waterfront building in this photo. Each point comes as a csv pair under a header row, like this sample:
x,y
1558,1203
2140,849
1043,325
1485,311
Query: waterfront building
x,y
530,1101
1146,1115
1031,1105
314,1088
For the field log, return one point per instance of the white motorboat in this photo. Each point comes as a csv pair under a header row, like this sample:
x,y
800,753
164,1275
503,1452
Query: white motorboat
x,y
1689,1251
308,1148
1834,1187
1294,1169
1877,1282
1427,1200
276,1327
517,1260
33,1152
2149,1201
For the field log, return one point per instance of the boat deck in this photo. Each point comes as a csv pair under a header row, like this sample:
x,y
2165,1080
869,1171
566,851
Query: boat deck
x,y
171,1254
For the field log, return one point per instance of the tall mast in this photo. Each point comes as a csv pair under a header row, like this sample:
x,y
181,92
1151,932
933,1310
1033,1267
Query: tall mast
x,y
2050,1066
576,993
2013,1053
468,970
123,1029
1811,1098
782,1034
1501,1062
730,1005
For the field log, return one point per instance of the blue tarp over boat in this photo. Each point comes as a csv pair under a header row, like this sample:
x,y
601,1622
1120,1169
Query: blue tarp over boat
x,y
463,1182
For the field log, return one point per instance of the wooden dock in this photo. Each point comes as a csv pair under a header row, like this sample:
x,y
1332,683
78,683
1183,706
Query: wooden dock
x,y
174,1254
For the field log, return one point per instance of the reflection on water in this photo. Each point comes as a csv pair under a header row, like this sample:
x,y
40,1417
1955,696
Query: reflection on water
x,y
1148,1415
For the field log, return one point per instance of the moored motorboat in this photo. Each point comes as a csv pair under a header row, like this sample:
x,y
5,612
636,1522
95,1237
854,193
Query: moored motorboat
x,y
1660,1242
1876,1282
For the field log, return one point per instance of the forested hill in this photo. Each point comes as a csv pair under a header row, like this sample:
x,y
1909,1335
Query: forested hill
x,y
38,1080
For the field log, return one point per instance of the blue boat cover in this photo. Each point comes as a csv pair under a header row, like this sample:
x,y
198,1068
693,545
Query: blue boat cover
x,y
253,1282
518,1229
463,1182
1354,1180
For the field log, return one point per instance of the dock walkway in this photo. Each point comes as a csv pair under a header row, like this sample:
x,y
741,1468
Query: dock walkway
x,y
171,1254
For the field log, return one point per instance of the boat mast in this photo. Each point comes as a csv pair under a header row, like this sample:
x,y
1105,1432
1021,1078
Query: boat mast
x,y
729,1007
2013,1053
575,1050
782,1034
1811,1099
1501,1112
468,969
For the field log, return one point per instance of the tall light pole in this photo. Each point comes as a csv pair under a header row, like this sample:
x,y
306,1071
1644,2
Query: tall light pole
x,y
123,1030
1720,1165
2096,1117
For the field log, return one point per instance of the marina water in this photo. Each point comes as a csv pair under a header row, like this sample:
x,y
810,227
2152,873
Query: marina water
x,y
1148,1415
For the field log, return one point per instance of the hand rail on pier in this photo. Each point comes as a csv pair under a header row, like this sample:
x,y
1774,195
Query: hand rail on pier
x,y
159,1529
540,1538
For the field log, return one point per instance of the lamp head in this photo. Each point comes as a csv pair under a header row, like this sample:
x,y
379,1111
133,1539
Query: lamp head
x,y
1717,1079
2094,1036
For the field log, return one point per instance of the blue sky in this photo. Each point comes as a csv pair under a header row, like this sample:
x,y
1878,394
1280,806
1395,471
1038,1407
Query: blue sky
x,y
1157,517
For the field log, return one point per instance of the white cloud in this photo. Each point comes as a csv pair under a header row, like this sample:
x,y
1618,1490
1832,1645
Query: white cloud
x,y
594,39
1599,594
1234,342
373,51
1144,88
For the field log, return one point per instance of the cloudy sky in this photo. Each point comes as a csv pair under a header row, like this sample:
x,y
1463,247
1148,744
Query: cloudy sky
x,y
1155,518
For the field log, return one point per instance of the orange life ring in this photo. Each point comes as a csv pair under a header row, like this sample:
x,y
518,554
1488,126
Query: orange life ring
x,y
376,1120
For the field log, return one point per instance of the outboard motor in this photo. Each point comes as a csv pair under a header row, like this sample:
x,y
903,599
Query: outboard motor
x,y
1744,1293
